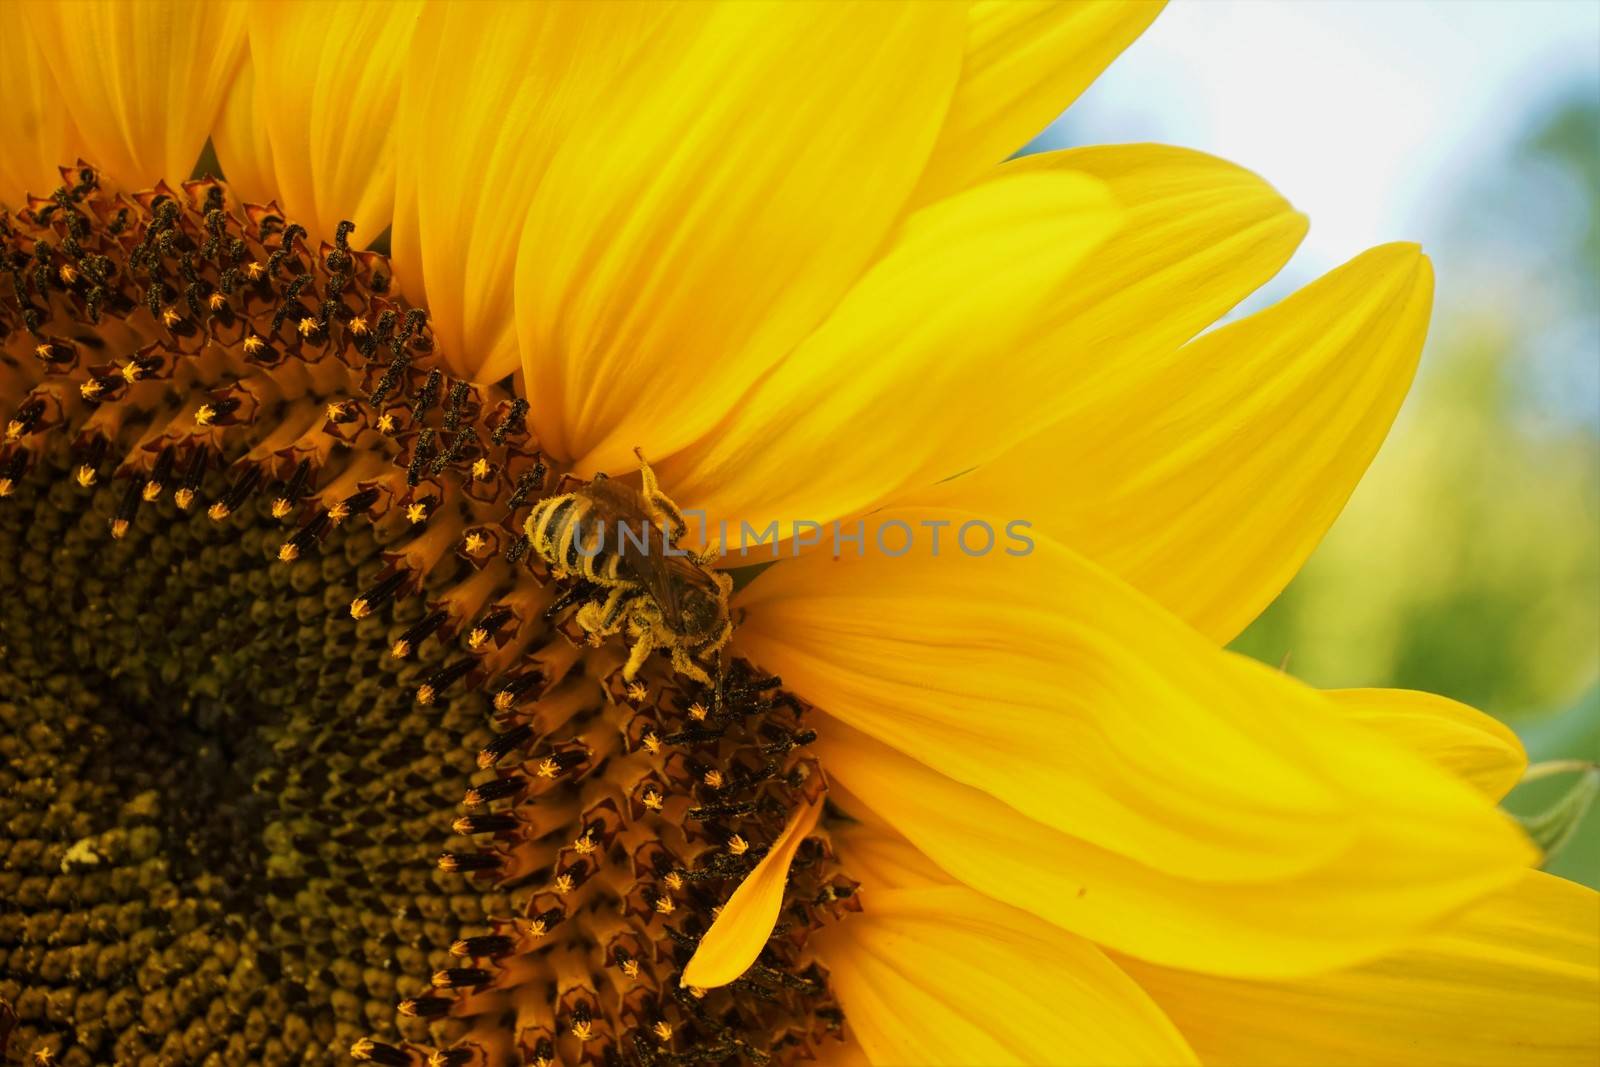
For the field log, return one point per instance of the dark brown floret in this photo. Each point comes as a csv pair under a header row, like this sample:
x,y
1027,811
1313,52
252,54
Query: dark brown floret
x,y
287,776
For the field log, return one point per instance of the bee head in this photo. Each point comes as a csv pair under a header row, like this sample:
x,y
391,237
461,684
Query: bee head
x,y
702,612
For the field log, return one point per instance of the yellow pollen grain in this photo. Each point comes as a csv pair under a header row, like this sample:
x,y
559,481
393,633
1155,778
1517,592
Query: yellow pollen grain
x,y
86,476
131,372
562,884
338,513
335,411
416,513
441,979
738,845
548,768
308,326
119,528
664,905
281,507
674,881
653,800
255,270
476,638
218,511
425,695
204,414
631,969
713,778
663,1030
503,701
696,992
217,301
13,430
480,469
90,389
533,929
170,317
6,487
386,423
475,543
254,344
358,326
184,498
359,608
584,845
400,649
43,350
582,1029
288,553
652,744
698,712
637,691
151,490
68,273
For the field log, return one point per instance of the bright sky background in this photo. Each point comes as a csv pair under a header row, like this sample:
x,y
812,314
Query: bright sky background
x,y
1369,115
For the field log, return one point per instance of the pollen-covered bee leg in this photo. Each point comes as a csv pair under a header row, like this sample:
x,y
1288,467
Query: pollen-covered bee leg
x,y
665,510
642,647
603,617
686,666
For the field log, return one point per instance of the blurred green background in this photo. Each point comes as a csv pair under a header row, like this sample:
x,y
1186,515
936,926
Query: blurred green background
x,y
1468,561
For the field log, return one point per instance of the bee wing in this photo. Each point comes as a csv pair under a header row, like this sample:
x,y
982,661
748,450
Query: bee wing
x,y
617,504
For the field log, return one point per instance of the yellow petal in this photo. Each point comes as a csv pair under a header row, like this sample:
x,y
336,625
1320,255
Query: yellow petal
x,y
945,976
1514,981
745,922
34,127
1206,476
1025,63
328,75
142,79
1473,746
736,182
1068,747
933,325
243,145
952,332
489,90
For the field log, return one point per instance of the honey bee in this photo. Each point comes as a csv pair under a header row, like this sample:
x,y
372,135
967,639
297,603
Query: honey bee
x,y
611,535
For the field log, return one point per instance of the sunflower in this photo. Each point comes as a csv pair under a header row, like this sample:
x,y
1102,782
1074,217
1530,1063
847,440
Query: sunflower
x,y
317,748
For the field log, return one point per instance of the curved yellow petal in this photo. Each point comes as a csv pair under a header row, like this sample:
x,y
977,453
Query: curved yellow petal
x,y
944,976
744,924
490,90
1170,777
1025,62
244,147
737,180
38,136
142,79
1514,982
1354,906
1205,476
1474,747
328,75
931,326
992,330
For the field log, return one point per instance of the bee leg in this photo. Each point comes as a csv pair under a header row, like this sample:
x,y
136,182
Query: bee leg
x,y
684,665
665,509
639,653
567,599
603,617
